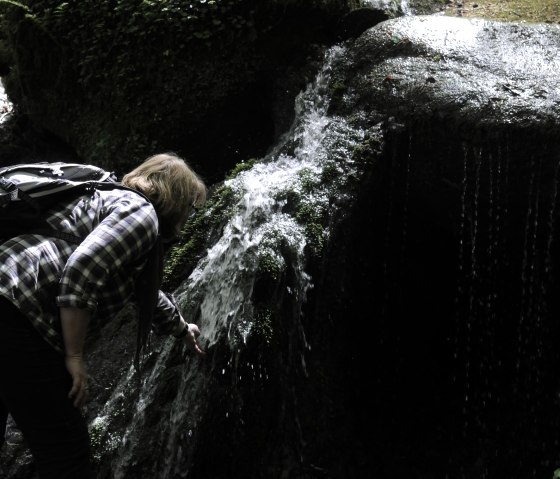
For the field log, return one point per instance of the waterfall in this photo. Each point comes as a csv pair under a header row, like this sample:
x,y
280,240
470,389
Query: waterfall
x,y
227,273
5,104
401,6
311,163
259,226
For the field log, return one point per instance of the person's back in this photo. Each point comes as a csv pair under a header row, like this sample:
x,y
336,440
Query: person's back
x,y
123,226
50,288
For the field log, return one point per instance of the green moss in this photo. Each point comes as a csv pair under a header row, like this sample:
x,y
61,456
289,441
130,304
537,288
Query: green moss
x,y
269,265
330,172
102,439
337,88
367,152
316,238
182,257
242,166
125,30
307,213
208,221
308,180
96,431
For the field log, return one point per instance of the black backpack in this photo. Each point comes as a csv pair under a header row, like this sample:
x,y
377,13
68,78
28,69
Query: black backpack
x,y
28,190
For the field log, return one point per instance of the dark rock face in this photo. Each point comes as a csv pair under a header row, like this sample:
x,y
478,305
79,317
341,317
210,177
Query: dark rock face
x,y
214,81
117,82
452,271
427,346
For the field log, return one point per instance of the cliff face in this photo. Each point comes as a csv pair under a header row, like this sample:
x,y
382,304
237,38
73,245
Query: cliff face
x,y
118,80
387,307
450,258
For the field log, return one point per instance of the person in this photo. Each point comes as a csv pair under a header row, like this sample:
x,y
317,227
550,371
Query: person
x,y
50,289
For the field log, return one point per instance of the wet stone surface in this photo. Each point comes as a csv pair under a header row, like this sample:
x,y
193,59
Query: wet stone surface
x,y
470,69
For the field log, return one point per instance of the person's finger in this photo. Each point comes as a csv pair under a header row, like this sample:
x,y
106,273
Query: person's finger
x,y
192,344
73,391
81,397
78,392
198,348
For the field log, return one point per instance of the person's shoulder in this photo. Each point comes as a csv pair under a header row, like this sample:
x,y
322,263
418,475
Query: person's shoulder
x,y
130,205
119,194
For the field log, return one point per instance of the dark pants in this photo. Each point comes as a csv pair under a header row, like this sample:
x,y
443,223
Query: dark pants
x,y
34,386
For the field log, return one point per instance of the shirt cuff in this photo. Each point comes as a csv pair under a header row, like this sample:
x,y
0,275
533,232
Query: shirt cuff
x,y
75,301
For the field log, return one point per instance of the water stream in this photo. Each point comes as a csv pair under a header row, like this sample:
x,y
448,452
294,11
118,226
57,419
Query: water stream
x,y
5,105
401,5
262,229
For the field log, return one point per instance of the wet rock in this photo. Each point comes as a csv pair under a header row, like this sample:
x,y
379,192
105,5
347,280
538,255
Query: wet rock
x,y
485,72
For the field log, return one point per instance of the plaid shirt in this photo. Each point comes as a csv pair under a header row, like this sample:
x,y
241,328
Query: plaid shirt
x,y
39,274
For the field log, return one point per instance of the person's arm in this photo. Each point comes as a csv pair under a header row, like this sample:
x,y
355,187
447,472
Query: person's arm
x,y
128,228
168,320
74,323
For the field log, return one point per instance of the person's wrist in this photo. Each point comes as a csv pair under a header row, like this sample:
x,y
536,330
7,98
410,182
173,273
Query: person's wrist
x,y
183,332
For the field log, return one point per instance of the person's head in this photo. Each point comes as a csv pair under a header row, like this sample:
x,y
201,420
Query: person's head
x,y
173,188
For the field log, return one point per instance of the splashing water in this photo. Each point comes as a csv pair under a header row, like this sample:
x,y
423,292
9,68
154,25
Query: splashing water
x,y
260,228
227,274
6,106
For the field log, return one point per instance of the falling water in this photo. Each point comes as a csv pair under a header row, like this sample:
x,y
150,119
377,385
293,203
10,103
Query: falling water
x,y
261,228
401,5
502,319
480,247
227,274
5,104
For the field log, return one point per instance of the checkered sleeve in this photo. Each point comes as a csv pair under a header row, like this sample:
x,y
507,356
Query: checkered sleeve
x,y
125,234
167,316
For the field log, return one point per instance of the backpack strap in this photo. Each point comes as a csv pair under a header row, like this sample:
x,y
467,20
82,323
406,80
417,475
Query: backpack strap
x,y
10,188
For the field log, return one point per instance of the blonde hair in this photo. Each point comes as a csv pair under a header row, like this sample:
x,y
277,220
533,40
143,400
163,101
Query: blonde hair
x,y
171,185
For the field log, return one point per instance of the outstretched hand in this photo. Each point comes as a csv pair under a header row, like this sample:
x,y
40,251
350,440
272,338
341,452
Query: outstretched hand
x,y
191,339
76,368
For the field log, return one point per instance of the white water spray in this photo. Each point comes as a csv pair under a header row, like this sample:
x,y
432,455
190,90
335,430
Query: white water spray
x,y
259,225
6,106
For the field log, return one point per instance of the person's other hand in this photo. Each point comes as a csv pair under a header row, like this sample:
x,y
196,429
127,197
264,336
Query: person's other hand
x,y
74,327
76,367
191,339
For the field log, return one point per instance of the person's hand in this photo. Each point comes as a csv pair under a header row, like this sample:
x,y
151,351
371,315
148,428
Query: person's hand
x,y
191,339
74,326
76,367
